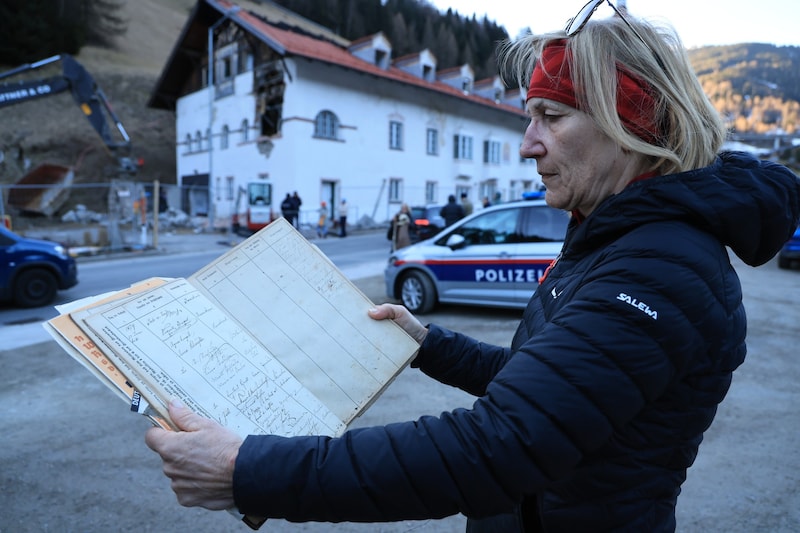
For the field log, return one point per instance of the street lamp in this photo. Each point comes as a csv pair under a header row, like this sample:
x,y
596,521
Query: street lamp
x,y
212,207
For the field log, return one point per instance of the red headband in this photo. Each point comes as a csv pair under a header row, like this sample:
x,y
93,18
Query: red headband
x,y
552,79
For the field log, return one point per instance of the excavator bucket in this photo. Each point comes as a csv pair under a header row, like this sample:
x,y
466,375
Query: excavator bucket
x,y
42,191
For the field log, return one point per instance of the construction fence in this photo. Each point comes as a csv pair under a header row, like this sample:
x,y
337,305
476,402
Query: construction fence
x,y
113,215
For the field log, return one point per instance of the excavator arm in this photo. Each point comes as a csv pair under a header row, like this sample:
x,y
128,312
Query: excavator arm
x,y
75,78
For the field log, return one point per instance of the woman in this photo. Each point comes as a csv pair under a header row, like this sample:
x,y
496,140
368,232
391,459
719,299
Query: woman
x,y
401,227
590,419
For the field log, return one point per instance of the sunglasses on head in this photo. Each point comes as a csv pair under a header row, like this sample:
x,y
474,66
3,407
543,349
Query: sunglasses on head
x,y
578,22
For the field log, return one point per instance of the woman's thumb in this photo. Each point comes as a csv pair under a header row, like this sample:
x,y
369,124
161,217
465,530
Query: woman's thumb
x,y
183,417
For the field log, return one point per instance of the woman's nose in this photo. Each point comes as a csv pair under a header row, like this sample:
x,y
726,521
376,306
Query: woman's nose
x,y
531,146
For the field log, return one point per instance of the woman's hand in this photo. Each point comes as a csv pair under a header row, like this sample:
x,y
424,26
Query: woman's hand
x,y
402,317
199,458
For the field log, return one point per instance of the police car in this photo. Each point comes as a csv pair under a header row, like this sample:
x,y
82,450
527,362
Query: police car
x,y
493,257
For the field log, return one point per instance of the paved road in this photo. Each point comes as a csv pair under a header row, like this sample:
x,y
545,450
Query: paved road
x,y
362,254
73,459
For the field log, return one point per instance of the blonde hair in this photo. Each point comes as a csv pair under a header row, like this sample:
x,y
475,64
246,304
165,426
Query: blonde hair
x,y
691,130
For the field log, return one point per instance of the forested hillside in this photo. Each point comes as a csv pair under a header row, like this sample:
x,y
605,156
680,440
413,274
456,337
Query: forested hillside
x,y
756,86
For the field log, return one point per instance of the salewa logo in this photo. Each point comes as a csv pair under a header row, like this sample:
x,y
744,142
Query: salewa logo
x,y
555,294
641,306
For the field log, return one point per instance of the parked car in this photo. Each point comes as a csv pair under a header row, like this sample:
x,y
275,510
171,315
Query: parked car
x,y
493,257
32,271
790,252
427,222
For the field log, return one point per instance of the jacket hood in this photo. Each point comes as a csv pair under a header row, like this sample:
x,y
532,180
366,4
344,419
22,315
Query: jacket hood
x,y
749,205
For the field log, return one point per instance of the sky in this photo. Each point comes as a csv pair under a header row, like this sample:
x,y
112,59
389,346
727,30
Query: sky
x,y
698,22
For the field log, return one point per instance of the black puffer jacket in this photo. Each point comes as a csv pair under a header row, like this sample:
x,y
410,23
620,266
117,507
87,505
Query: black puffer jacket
x,y
592,416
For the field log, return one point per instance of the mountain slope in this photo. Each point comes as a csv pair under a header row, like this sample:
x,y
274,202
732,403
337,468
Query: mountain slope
x,y
53,130
757,86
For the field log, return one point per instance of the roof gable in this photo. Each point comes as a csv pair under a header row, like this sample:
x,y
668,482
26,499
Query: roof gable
x,y
287,34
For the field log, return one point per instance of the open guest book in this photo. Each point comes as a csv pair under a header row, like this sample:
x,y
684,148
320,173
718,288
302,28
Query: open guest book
x,y
270,338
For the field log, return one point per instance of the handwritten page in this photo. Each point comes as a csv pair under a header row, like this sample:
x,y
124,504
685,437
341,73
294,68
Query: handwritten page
x,y
314,321
181,346
76,343
269,338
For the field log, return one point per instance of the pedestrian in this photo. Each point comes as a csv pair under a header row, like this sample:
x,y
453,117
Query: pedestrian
x,y
163,203
288,209
466,204
343,218
401,227
296,211
590,418
322,221
451,211
486,203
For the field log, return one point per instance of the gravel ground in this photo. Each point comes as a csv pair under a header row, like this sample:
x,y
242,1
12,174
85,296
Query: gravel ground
x,y
73,458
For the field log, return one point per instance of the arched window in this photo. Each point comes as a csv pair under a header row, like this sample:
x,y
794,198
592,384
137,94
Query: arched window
x,y
326,125
245,130
223,138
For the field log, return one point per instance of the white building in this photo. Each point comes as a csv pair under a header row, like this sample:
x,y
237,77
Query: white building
x,y
302,109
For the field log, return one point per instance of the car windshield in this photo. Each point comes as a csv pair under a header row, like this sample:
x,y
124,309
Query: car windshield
x,y
543,224
429,213
529,224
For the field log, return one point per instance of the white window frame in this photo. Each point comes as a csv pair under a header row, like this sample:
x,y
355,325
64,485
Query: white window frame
x,y
488,188
395,135
395,190
462,147
431,192
491,152
326,125
432,141
223,139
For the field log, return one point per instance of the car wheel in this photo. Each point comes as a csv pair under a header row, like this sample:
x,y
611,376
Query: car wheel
x,y
418,293
35,288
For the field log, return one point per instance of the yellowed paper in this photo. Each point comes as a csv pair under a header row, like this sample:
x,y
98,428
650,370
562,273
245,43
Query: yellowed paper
x,y
314,321
78,344
269,338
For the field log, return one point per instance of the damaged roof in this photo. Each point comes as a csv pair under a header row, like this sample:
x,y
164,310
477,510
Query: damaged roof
x,y
288,34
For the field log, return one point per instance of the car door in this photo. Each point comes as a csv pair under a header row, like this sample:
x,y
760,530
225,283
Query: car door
x,y
541,236
480,269
6,262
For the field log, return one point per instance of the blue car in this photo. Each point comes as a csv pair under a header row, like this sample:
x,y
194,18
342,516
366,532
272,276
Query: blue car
x,y
790,253
32,271
493,257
